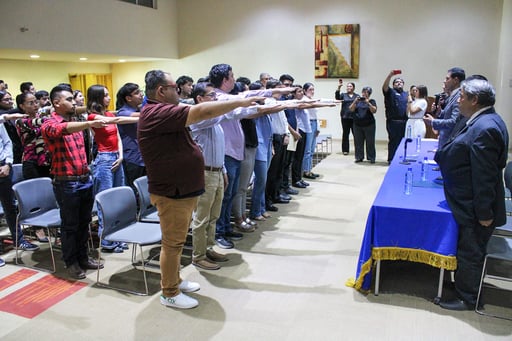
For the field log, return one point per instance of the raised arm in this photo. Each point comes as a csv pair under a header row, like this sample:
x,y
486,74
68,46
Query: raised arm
x,y
206,110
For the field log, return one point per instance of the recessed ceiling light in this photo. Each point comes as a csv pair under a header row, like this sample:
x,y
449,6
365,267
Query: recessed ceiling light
x,y
83,58
34,56
122,60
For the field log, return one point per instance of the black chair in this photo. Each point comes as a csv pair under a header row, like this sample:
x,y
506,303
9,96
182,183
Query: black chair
x,y
118,209
147,212
499,250
37,206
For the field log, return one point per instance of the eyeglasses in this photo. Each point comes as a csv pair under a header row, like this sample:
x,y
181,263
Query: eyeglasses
x,y
174,86
211,95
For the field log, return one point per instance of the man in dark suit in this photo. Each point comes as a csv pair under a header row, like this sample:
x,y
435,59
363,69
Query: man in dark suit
x,y
472,165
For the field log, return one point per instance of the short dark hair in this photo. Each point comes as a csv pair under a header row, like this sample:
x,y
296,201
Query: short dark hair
x,y
286,77
124,91
56,91
41,93
255,85
153,80
273,83
367,88
200,90
20,99
244,80
218,73
183,80
457,72
25,86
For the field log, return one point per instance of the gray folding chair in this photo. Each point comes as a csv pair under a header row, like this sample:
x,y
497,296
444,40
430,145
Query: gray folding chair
x,y
147,212
499,250
118,209
37,206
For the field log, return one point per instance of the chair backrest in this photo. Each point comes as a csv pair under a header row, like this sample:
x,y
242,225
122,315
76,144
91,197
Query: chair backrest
x,y
17,173
35,197
118,208
141,184
508,175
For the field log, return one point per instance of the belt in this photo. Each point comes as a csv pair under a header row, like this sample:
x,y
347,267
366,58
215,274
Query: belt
x,y
81,178
212,169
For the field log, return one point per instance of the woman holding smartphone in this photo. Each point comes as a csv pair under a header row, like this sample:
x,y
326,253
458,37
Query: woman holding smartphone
x,y
347,121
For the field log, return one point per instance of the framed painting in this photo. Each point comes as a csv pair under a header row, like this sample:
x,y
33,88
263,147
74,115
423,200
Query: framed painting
x,y
337,51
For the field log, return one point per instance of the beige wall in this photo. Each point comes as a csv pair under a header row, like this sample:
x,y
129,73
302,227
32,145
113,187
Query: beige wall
x,y
93,26
423,38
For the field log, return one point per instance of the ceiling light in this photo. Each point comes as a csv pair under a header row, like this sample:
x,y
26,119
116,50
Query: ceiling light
x,y
34,56
83,58
122,60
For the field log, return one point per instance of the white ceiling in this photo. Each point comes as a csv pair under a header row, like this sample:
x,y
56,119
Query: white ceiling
x,y
53,56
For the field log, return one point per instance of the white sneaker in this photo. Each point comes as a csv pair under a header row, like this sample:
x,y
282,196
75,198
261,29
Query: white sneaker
x,y
180,301
187,286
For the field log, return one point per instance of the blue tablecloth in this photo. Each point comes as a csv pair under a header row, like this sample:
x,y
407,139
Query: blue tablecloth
x,y
418,227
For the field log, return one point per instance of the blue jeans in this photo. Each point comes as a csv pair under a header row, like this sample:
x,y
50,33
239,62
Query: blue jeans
x,y
233,169
102,173
75,200
307,163
104,178
258,189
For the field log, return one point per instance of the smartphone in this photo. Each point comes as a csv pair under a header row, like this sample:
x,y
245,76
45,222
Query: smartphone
x,y
397,72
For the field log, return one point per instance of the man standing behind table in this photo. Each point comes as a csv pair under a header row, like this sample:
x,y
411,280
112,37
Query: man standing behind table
x,y
72,182
448,116
472,165
175,175
395,101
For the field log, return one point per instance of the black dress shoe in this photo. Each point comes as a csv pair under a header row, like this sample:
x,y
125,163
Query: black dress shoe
x,y
299,184
271,208
315,175
291,191
284,196
75,272
90,264
456,304
309,176
281,201
304,183
358,160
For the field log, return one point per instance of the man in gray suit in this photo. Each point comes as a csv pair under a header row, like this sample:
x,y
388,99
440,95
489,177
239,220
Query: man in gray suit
x,y
472,165
448,116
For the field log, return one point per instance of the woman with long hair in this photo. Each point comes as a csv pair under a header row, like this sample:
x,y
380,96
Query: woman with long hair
x,y
416,108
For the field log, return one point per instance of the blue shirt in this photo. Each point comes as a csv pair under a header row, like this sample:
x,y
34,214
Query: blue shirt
x,y
128,133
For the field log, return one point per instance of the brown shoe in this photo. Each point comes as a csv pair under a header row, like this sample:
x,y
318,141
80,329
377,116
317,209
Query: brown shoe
x,y
206,264
215,256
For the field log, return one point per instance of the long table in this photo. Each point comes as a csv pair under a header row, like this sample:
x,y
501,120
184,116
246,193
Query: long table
x,y
418,227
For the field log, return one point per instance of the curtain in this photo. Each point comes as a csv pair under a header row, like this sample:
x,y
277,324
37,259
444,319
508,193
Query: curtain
x,y
85,80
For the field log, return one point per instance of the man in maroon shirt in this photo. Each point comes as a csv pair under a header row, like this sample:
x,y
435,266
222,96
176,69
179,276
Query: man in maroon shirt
x,y
175,169
72,184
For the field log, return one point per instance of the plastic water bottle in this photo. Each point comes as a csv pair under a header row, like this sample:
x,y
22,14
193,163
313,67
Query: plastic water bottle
x,y
424,169
408,181
408,133
418,144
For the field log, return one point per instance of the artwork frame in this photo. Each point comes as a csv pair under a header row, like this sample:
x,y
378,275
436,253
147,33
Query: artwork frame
x,y
337,51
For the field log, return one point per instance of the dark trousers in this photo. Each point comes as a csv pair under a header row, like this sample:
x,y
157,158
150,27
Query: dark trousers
x,y
396,131
32,170
288,160
275,171
132,171
362,136
299,157
347,124
7,200
75,200
471,251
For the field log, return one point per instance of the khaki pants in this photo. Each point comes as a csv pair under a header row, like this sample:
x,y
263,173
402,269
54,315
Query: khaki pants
x,y
175,215
207,213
